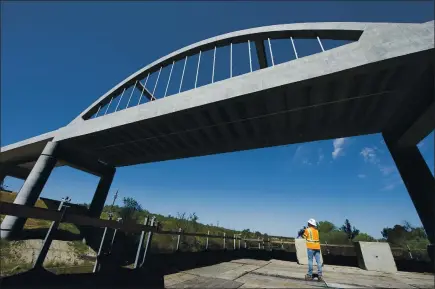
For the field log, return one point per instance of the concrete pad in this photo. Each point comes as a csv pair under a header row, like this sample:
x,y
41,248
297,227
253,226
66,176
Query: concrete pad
x,y
237,272
374,256
207,282
251,262
176,278
417,280
301,252
362,281
214,270
260,281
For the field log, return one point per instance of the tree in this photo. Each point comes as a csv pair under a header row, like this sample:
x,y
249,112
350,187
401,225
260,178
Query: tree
x,y
364,238
350,231
129,210
325,227
406,235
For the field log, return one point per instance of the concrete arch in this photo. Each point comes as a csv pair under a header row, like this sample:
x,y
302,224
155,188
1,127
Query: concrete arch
x,y
327,30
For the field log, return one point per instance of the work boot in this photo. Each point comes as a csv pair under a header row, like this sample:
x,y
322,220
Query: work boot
x,y
308,278
319,278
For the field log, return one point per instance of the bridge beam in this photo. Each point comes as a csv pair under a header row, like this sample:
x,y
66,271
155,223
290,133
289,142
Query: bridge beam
x,y
31,189
419,129
13,171
83,161
418,180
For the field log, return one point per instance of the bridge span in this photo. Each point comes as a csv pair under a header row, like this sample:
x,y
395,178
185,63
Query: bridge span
x,y
381,82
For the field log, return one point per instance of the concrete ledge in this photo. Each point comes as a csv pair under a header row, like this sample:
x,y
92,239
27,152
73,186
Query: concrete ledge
x,y
301,252
375,257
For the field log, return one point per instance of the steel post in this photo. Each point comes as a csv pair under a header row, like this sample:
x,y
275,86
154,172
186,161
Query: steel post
x,y
49,236
178,240
140,245
148,242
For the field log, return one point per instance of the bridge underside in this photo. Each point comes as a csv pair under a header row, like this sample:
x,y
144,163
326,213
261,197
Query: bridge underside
x,y
381,97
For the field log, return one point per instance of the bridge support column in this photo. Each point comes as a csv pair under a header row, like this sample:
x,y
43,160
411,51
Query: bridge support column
x,y
419,182
31,189
100,196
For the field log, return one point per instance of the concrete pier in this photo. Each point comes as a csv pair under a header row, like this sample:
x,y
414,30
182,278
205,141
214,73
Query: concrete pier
x,y
31,189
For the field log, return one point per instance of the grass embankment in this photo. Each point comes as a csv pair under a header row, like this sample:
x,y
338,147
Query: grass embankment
x,y
9,197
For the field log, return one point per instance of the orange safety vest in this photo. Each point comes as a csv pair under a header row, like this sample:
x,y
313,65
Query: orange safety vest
x,y
311,235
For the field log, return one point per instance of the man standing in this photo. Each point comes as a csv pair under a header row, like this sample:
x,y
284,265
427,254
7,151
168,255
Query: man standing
x,y
311,235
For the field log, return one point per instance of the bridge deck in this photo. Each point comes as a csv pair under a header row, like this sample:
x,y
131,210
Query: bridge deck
x,y
247,273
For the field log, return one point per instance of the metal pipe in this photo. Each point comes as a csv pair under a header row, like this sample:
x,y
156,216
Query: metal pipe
x,y
148,242
139,247
321,46
178,240
143,88
231,60
224,242
294,47
214,60
108,105
131,94
49,236
182,75
169,80
234,239
197,68
100,249
250,57
97,111
270,50
157,81
409,251
120,98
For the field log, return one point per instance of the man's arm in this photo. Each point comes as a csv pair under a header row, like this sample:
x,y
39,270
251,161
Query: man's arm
x,y
305,234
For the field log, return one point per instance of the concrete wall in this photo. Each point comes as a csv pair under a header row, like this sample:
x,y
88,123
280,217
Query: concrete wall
x,y
375,257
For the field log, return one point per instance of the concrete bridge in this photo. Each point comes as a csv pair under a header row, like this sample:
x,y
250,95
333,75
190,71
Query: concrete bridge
x,y
382,82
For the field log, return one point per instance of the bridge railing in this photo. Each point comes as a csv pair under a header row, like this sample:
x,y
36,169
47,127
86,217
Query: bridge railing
x,y
198,64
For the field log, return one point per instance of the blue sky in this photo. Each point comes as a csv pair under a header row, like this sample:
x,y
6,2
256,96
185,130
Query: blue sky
x,y
57,58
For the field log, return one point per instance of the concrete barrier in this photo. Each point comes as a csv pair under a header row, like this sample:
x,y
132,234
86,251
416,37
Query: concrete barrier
x,y
301,252
375,257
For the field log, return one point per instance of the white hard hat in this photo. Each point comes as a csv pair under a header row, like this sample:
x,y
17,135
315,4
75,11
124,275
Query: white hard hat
x,y
312,222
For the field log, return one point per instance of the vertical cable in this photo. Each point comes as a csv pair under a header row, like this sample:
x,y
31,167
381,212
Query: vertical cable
x,y
250,58
97,111
321,46
131,94
182,75
294,47
214,60
120,98
197,68
143,88
270,50
169,80
108,105
157,81
231,60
